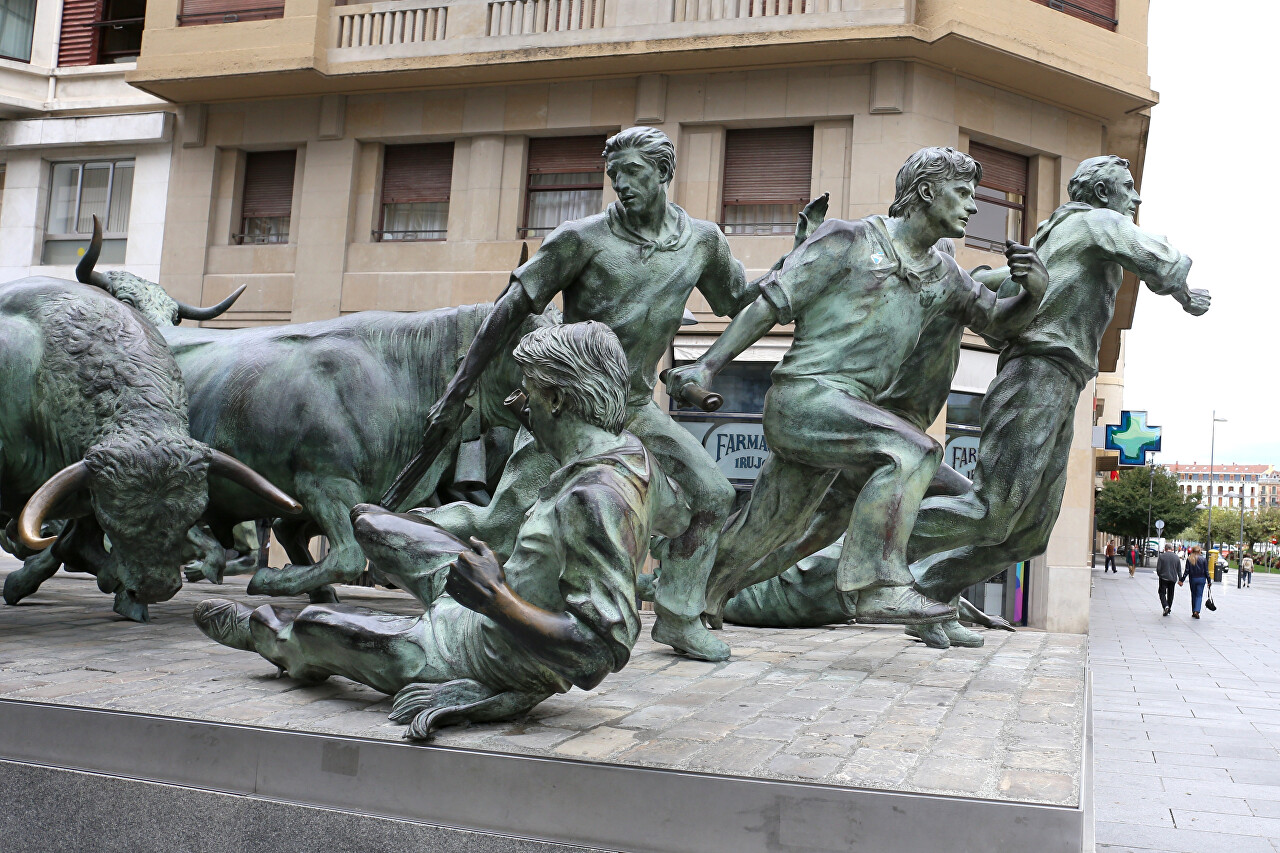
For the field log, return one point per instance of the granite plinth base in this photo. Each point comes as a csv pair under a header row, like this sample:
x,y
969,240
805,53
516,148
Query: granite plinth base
x,y
150,737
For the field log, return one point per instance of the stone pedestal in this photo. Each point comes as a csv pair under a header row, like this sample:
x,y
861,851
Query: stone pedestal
x,y
150,737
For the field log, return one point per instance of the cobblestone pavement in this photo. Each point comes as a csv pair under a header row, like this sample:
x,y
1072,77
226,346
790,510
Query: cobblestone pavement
x,y
854,706
1186,718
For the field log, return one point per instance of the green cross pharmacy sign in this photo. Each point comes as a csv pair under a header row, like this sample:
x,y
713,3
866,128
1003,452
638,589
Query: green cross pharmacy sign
x,y
1133,438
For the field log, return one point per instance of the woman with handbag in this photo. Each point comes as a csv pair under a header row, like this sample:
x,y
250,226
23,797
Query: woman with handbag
x,y
1197,569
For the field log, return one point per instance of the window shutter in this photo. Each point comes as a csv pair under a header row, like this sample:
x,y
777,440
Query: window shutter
x,y
225,11
1100,12
566,154
268,183
768,166
78,42
1001,170
417,173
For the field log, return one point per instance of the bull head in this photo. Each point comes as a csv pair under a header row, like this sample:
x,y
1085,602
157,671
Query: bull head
x,y
145,495
146,296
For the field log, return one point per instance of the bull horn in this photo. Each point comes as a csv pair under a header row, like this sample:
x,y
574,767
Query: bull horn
x,y
61,484
191,312
85,273
242,475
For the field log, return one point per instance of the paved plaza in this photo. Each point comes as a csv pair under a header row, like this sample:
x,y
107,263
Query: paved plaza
x,y
850,706
1186,718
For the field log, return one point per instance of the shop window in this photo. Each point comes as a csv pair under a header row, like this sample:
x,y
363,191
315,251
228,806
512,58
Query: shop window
x,y
1001,199
17,24
1099,12
196,12
415,192
742,384
733,436
767,179
267,200
78,191
565,181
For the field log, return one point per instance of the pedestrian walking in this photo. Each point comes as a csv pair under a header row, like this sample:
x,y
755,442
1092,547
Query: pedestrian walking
x,y
1197,569
1246,571
1111,557
1167,570
1133,560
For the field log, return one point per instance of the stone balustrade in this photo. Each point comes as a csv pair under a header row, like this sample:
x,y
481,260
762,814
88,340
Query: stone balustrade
x,y
386,23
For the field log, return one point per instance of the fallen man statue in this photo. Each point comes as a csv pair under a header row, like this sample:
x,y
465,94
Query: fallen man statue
x,y
560,613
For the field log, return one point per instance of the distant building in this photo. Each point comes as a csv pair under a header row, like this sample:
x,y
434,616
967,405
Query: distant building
x,y
1229,484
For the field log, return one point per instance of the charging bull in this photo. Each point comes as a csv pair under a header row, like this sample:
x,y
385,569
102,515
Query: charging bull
x,y
331,411
94,432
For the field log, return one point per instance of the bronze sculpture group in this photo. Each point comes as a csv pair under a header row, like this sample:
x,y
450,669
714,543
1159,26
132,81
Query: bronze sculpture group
x,y
530,516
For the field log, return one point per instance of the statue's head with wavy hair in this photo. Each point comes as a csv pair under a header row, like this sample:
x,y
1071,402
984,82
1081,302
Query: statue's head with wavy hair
x,y
585,364
931,166
650,143
1083,186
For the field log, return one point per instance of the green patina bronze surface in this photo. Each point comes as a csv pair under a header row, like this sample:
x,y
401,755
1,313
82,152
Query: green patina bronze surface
x,y
503,635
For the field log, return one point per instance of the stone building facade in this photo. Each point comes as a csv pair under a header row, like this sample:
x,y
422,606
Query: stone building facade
x,y
394,155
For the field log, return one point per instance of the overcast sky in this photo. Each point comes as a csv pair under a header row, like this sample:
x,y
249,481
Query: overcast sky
x,y
1215,124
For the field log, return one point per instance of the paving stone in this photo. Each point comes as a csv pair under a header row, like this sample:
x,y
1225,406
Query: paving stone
x,y
597,744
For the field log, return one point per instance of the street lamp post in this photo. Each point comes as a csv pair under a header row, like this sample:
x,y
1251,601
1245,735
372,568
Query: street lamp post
x,y
1213,434
1151,479
1240,552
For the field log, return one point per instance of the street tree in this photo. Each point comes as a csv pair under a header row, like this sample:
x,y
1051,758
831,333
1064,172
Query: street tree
x,y
1122,505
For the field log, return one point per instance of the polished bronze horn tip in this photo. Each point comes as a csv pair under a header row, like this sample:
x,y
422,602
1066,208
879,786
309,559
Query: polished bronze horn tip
x,y
60,485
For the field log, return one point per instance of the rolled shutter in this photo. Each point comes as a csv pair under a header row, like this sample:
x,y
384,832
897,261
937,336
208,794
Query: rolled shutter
x,y
1100,12
566,154
227,11
78,41
1001,170
417,173
768,166
268,183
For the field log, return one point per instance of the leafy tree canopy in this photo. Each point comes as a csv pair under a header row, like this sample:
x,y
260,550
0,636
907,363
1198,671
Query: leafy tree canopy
x,y
1122,504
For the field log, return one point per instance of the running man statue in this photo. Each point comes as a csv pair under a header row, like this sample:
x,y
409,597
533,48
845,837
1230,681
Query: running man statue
x,y
860,294
632,268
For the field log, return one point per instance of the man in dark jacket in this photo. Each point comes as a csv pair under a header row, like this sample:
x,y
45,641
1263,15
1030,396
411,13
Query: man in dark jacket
x,y
1167,569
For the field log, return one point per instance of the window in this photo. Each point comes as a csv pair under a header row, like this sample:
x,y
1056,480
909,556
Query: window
x,y
1001,198
17,23
767,178
1100,12
566,181
195,12
77,192
415,192
99,32
743,385
268,196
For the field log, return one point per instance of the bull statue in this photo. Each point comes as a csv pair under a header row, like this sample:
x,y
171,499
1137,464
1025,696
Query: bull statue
x,y
94,432
331,411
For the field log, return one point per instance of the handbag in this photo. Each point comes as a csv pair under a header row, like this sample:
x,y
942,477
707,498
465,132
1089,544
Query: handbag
x,y
1208,599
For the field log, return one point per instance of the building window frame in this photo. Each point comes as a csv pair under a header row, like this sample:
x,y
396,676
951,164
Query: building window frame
x,y
1101,13
785,189
17,29
433,191
542,163
1005,183
77,223
270,223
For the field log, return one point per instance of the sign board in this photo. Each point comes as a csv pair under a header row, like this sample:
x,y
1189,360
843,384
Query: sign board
x,y
961,454
1160,524
737,447
1133,438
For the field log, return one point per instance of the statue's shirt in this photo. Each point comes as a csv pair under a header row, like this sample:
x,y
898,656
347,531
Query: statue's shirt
x,y
638,288
1086,251
578,552
859,308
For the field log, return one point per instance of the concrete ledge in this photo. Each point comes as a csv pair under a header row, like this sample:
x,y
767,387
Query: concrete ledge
x,y
87,130
556,801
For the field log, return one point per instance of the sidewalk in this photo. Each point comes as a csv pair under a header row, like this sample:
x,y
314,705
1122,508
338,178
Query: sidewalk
x,y
1186,717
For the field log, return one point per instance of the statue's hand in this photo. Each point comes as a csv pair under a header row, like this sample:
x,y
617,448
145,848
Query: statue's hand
x,y
1026,268
813,215
1197,302
476,579
691,374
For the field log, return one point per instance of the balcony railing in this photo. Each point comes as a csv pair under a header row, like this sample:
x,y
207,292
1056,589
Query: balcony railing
x,y
716,10
522,17
369,25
